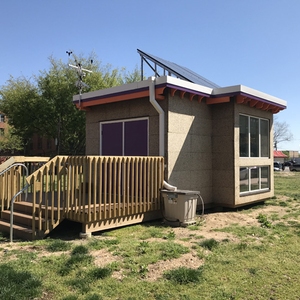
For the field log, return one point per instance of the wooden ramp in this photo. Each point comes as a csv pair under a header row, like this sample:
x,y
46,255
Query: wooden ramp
x,y
100,192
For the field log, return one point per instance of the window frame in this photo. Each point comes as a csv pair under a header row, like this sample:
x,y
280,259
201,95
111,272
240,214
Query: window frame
x,y
123,122
250,145
247,176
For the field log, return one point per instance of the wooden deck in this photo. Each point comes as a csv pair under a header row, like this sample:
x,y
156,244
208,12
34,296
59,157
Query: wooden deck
x,y
100,192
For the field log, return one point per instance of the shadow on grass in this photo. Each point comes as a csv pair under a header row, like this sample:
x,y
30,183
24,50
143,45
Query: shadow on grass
x,y
66,230
16,284
69,230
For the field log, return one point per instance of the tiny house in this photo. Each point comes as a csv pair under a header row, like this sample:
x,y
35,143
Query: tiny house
x,y
216,140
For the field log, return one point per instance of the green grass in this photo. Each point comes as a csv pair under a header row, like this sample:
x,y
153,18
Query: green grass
x,y
18,284
209,244
183,275
263,261
58,245
263,220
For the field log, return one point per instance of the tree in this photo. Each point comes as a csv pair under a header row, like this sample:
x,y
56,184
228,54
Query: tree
x,y
19,100
133,76
281,133
10,142
43,105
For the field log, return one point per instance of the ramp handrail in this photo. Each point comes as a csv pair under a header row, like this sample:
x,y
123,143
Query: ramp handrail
x,y
16,165
12,210
15,196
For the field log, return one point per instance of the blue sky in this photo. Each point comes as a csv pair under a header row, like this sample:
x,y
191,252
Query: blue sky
x,y
254,43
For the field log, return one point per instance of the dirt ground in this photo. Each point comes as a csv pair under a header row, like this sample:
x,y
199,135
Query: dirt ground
x,y
208,223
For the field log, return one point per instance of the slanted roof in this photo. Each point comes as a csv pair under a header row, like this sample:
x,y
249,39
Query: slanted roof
x,y
174,69
279,154
187,83
211,96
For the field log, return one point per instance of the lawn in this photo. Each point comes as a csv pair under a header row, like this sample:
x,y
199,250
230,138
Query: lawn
x,y
251,253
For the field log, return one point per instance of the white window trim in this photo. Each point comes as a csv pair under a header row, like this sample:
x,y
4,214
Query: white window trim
x,y
259,139
260,189
123,121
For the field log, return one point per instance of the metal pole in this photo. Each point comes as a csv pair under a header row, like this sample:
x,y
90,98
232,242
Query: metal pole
x,y
80,96
142,69
15,196
12,211
15,165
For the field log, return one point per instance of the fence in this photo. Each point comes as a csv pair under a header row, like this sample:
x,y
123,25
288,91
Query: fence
x,y
97,191
13,180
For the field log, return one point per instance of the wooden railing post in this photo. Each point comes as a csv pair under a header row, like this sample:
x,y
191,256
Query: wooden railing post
x,y
97,188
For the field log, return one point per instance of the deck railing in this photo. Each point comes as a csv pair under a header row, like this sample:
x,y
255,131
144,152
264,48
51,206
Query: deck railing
x,y
12,180
91,189
8,187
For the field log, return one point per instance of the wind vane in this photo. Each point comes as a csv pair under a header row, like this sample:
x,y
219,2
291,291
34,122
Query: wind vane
x,y
81,74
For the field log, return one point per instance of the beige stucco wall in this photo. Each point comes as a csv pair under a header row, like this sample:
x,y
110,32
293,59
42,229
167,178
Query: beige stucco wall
x,y
117,111
201,144
226,161
222,152
203,150
244,162
189,157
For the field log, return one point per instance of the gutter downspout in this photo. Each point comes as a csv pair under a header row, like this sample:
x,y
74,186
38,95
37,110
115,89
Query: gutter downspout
x,y
161,125
161,116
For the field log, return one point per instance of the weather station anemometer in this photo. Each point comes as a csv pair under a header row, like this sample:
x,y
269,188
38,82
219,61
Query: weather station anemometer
x,y
81,72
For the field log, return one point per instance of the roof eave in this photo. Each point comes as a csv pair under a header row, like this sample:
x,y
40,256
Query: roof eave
x,y
249,92
140,89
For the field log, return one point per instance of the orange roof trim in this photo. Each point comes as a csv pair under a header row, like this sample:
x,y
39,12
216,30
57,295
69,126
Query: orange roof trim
x,y
211,96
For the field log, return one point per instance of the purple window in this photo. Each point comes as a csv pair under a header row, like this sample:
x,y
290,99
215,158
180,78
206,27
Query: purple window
x,y
112,139
128,138
136,138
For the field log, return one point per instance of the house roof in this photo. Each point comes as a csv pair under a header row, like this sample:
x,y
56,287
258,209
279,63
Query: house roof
x,y
279,154
241,94
176,70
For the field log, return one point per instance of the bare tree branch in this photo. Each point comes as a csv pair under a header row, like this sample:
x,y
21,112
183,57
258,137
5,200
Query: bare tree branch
x,y
281,133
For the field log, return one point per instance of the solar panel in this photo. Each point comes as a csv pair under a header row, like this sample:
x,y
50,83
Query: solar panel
x,y
176,70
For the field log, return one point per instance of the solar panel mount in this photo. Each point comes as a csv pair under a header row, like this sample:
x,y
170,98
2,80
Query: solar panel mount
x,y
172,69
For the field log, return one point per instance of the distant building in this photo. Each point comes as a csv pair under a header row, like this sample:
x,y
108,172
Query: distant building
x,y
279,156
39,146
3,130
293,154
42,146
3,124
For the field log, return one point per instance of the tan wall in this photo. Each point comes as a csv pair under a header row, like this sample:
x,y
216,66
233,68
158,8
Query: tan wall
x,y
279,159
222,151
226,160
117,111
293,154
243,161
201,144
189,146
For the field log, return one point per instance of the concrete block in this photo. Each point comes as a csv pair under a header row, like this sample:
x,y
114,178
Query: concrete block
x,y
85,235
